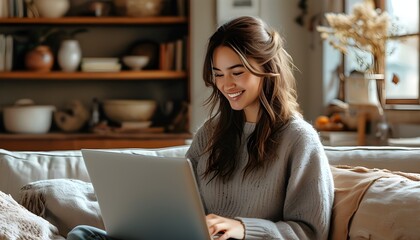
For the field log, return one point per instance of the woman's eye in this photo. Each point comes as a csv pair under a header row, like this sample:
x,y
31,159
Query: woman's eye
x,y
237,73
216,75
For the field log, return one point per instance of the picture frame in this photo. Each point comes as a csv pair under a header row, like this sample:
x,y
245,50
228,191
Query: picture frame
x,y
228,9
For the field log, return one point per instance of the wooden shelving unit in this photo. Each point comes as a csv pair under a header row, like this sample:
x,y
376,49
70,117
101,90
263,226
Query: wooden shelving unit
x,y
169,20
77,141
73,141
122,75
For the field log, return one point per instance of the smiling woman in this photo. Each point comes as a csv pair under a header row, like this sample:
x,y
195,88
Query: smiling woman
x,y
261,169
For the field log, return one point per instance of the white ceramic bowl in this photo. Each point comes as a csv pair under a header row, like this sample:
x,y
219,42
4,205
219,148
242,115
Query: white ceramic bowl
x,y
52,8
129,110
28,119
136,62
144,8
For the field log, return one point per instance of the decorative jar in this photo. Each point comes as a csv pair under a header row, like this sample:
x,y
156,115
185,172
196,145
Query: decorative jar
x,y
39,59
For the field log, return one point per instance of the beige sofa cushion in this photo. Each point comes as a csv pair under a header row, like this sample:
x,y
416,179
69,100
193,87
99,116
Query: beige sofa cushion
x,y
20,168
392,158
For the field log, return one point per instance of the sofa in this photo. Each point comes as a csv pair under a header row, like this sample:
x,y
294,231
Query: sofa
x,y
377,192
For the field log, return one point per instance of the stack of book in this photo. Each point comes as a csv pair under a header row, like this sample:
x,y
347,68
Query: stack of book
x,y
100,65
338,138
6,52
12,8
173,55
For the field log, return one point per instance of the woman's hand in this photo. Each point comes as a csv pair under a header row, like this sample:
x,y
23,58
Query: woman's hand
x,y
228,228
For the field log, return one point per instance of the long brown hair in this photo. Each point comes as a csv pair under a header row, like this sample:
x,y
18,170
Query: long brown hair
x,y
249,37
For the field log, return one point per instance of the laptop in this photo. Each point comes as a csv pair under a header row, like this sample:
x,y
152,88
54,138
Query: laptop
x,y
146,197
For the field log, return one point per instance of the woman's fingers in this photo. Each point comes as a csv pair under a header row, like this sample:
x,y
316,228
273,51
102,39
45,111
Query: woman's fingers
x,y
226,227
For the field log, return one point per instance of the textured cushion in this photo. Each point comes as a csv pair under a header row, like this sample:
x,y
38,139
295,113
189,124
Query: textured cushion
x,y
65,203
18,223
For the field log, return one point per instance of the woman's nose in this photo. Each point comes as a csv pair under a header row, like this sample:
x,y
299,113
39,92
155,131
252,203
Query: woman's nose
x,y
229,81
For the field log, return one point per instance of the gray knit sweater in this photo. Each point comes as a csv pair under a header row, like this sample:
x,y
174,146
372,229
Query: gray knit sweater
x,y
291,200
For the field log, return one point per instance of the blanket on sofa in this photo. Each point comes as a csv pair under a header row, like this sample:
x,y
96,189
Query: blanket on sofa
x,y
17,223
351,185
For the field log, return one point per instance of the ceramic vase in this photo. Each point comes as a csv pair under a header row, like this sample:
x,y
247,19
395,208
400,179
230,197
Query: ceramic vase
x,y
69,55
39,59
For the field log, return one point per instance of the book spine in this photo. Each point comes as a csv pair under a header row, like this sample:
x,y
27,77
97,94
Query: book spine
x,y
2,52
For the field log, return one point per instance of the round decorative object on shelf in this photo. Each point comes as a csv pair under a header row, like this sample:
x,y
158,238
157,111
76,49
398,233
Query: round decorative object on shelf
x,y
39,59
139,8
52,8
69,55
73,118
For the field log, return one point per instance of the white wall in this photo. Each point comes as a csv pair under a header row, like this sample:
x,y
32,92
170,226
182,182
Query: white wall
x,y
281,15
203,24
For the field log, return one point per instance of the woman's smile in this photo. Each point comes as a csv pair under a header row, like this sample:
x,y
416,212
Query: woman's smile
x,y
234,95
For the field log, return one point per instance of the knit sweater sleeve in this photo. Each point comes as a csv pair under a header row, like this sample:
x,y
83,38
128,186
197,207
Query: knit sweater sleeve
x,y
309,193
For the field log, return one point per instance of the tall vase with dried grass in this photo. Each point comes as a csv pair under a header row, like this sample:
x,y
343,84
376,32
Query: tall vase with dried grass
x,y
365,29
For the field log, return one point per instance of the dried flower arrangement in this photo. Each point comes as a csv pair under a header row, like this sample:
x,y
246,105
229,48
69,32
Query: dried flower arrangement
x,y
366,29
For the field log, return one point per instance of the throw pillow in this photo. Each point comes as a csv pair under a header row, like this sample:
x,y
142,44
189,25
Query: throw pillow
x,y
16,222
65,203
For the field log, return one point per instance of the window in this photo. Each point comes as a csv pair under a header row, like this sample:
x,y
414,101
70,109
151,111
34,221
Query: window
x,y
403,63
402,60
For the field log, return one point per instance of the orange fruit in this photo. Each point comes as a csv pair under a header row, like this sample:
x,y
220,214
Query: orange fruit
x,y
322,121
336,118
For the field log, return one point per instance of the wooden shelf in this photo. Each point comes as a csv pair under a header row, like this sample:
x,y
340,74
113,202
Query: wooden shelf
x,y
77,141
166,27
173,20
123,75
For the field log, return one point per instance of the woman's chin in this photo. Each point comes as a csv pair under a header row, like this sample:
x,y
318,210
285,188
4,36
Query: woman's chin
x,y
236,107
